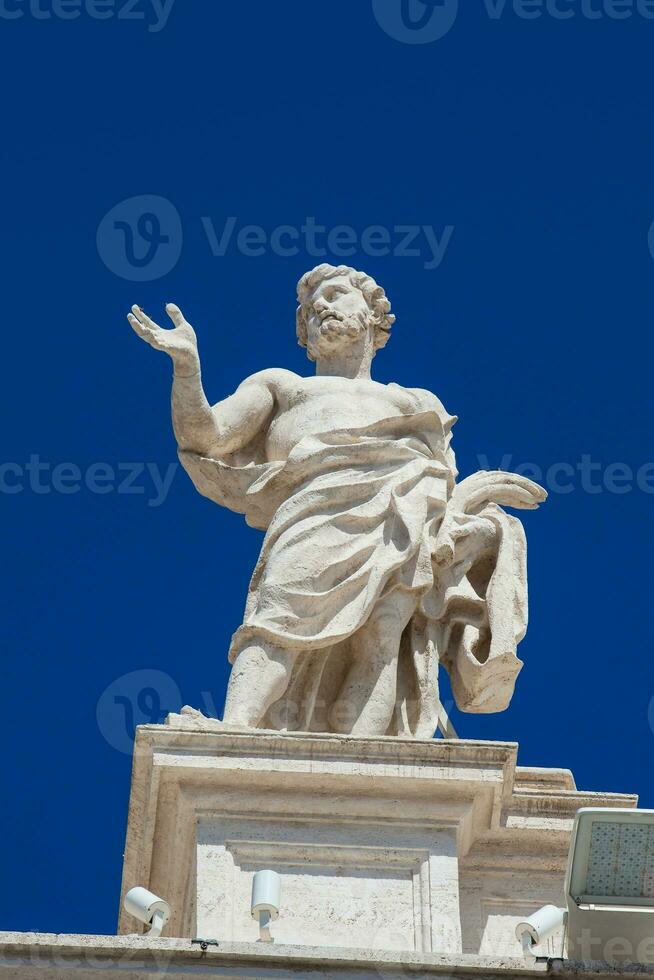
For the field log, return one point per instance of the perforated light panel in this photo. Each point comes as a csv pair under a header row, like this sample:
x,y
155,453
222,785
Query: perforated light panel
x,y
621,860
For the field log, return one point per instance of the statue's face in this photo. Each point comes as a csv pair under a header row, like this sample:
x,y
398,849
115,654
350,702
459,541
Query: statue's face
x,y
337,314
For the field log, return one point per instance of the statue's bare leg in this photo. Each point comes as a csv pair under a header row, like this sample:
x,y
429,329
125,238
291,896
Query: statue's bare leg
x,y
366,701
259,677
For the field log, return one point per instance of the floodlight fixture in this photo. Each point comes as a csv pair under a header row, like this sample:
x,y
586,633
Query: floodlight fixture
x,y
609,886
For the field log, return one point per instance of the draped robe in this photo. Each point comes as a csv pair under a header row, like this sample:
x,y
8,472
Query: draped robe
x,y
351,516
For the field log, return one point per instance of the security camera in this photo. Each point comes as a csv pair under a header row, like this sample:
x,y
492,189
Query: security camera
x,y
536,928
149,909
266,894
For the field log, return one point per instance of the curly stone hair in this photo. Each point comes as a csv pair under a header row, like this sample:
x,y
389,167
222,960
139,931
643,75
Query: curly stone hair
x,y
374,295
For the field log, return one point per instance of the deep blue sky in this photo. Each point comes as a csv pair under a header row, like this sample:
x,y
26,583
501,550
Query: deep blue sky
x,y
532,138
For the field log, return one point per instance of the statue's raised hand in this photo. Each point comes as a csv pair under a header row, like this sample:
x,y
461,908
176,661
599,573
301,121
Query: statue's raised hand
x,y
180,342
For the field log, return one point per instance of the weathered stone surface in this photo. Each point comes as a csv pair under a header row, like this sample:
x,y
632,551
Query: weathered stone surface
x,y
376,566
35,956
382,843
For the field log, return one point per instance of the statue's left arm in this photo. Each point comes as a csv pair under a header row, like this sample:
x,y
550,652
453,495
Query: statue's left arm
x,y
467,499
480,581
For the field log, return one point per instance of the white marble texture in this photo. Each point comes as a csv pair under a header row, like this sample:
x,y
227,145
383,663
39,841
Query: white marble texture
x,y
382,844
377,566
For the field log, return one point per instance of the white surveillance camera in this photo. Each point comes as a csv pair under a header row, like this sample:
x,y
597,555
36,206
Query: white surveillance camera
x,y
536,928
149,909
266,894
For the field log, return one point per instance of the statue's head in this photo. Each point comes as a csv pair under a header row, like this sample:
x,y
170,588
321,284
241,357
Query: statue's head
x,y
336,304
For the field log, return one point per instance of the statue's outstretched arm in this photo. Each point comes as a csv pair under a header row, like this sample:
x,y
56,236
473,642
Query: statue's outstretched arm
x,y
199,428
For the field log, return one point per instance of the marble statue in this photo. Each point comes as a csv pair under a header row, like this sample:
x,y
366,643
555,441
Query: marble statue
x,y
376,566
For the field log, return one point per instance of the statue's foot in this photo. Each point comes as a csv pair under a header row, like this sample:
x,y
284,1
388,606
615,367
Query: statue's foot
x,y
189,717
193,720
190,712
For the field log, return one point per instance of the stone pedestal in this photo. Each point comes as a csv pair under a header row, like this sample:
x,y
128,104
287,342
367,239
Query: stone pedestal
x,y
383,844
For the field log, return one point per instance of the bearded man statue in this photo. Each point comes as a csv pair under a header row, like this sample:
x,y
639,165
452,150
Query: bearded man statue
x,y
376,566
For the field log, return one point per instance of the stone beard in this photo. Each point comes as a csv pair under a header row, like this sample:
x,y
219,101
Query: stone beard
x,y
376,565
